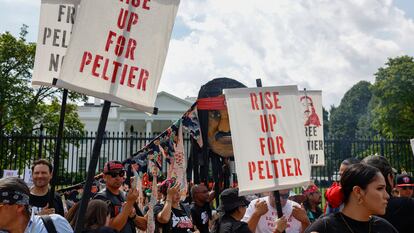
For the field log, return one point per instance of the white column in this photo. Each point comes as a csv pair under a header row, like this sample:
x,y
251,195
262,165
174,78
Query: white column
x,y
122,126
148,128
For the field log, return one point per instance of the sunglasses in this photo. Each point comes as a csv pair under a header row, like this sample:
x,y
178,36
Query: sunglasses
x,y
115,174
284,196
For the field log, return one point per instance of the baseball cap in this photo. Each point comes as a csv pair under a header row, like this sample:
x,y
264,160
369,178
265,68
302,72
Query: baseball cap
x,y
230,200
113,165
404,180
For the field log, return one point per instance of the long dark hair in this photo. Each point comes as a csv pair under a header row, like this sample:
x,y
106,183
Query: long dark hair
x,y
382,164
357,175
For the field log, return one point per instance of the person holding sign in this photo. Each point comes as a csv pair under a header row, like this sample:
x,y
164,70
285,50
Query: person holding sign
x,y
365,195
125,214
296,217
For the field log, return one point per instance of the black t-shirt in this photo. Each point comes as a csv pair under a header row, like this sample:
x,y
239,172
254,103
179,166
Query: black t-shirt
x,y
230,225
339,223
201,216
180,221
400,213
39,202
116,207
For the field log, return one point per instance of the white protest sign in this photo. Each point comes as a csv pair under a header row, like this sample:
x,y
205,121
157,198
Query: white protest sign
x,y
118,49
268,138
55,27
10,173
312,118
28,176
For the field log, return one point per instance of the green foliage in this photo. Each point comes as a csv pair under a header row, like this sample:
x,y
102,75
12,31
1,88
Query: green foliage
x,y
22,108
344,118
394,96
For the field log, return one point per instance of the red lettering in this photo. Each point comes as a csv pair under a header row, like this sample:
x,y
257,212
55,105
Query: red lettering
x,y
122,18
260,166
280,147
298,171
116,67
86,60
144,6
288,166
131,75
261,100
120,44
133,19
104,70
96,65
268,103
271,146
252,169
276,100
124,70
263,123
109,40
253,100
132,44
282,165
274,162
143,77
262,145
269,175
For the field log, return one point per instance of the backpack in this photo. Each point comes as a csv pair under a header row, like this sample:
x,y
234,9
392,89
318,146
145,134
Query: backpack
x,y
48,222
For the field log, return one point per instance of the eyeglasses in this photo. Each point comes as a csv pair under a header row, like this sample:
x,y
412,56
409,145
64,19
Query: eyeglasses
x,y
115,174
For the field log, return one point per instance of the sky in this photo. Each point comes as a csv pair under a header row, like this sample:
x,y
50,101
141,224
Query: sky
x,y
326,45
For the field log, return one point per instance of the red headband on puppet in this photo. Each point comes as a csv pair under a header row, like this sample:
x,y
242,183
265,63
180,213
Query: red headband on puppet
x,y
311,189
212,103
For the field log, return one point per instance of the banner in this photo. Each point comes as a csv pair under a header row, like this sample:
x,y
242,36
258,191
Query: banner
x,y
118,49
28,177
55,28
268,138
312,118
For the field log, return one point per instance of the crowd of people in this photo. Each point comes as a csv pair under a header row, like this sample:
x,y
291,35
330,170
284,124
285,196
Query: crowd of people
x,y
369,197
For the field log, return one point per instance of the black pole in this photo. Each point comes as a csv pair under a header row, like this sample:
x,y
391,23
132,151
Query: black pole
x,y
39,153
58,148
92,167
276,194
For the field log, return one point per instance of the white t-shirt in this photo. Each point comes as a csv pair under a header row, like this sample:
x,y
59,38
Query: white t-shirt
x,y
267,224
35,224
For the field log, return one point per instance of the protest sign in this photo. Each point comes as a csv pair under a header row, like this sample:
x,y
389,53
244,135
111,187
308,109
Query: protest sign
x,y
10,173
55,28
118,49
28,177
268,138
312,118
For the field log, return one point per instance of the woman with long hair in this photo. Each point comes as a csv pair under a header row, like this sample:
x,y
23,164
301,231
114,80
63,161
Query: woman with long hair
x,y
364,196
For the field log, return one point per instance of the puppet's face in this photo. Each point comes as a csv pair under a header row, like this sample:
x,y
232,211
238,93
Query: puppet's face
x,y
219,136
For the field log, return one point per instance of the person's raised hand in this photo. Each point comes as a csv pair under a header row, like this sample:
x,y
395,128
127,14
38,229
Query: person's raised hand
x,y
261,207
300,214
132,195
281,224
173,190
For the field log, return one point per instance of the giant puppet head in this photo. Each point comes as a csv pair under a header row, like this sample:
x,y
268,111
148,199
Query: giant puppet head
x,y
215,131
214,119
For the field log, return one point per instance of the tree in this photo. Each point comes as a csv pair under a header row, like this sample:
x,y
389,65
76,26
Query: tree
x,y
344,118
23,108
394,93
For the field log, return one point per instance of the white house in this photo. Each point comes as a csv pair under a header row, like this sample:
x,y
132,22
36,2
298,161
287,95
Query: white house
x,y
120,122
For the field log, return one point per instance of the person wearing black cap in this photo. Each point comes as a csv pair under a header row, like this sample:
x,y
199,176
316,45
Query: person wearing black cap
x,y
125,214
234,208
405,184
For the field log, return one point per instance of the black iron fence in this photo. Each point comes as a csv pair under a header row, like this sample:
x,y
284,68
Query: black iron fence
x,y
17,152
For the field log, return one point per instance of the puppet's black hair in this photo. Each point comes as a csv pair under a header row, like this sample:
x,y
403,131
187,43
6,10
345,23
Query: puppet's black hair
x,y
200,158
